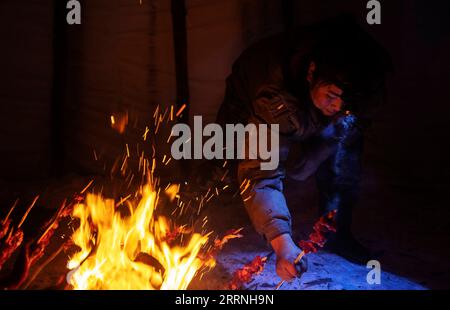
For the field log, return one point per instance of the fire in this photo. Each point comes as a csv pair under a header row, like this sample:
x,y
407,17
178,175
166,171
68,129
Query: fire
x,y
132,251
120,244
119,122
124,244
246,273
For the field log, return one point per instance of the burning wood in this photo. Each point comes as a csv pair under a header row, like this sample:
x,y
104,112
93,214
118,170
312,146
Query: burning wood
x,y
6,222
229,235
176,232
10,244
246,273
132,252
38,247
219,243
11,238
30,251
115,251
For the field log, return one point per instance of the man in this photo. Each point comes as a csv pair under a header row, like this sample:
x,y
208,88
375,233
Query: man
x,y
321,84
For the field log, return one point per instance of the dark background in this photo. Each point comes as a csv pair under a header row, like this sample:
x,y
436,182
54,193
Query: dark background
x,y
59,84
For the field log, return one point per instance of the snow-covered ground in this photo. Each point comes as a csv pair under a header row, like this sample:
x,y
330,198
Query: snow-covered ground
x,y
325,272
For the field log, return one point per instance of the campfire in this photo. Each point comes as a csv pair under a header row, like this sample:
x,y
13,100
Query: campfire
x,y
120,243
126,244
132,251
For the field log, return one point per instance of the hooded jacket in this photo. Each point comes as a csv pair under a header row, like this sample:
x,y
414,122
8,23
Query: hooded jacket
x,y
268,86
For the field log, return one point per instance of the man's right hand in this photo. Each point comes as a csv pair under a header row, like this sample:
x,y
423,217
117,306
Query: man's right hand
x,y
286,252
345,128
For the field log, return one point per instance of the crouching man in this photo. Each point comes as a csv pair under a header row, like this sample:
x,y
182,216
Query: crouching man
x,y
321,85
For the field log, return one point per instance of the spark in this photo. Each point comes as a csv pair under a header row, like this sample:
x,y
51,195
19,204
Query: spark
x,y
128,150
183,107
146,133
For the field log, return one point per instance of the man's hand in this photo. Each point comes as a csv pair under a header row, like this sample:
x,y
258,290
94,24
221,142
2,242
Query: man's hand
x,y
343,128
286,252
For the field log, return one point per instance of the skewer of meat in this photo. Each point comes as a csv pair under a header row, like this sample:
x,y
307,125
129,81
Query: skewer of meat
x,y
317,239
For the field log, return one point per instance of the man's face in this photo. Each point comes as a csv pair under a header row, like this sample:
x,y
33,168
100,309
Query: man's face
x,y
327,98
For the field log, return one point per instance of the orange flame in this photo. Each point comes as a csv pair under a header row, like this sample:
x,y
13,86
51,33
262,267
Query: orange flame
x,y
119,122
131,252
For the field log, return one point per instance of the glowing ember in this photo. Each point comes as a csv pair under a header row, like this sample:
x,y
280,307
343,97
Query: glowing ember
x,y
119,122
229,235
11,237
133,251
246,273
